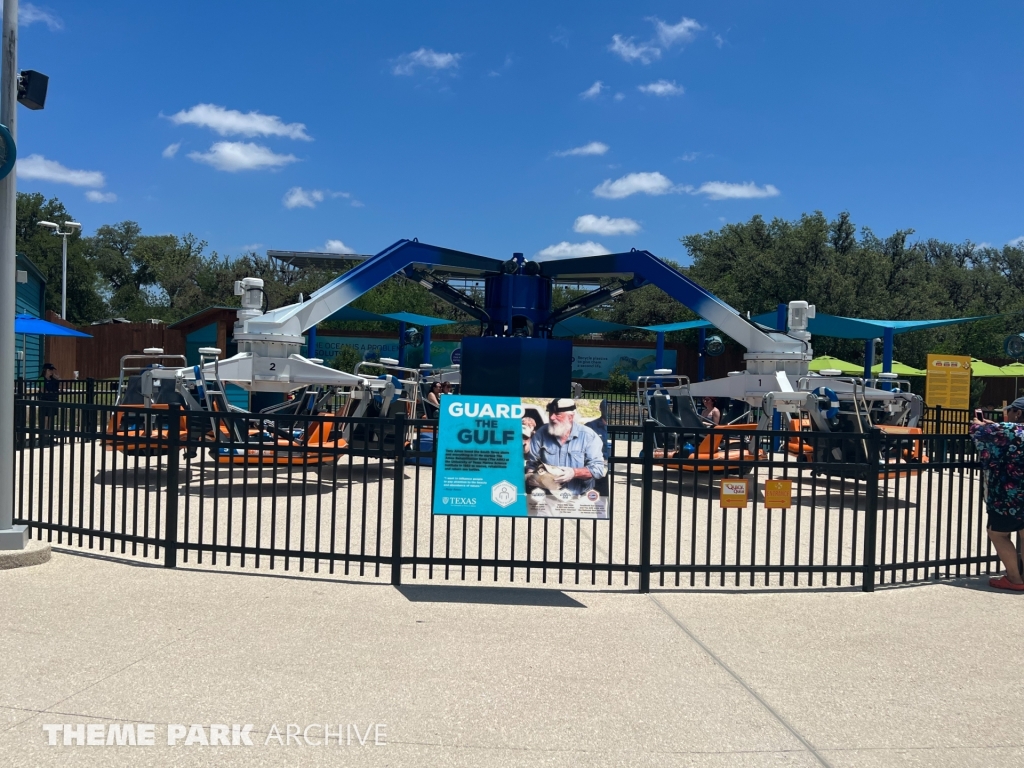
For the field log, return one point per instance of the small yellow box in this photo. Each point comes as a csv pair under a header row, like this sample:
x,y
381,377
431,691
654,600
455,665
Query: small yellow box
x,y
778,494
735,494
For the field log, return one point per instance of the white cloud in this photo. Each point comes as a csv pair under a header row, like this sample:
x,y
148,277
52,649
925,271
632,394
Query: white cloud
x,y
589,224
633,183
567,250
252,247
231,122
241,156
688,157
39,168
620,96
662,88
670,34
593,148
719,41
630,51
724,190
502,69
407,63
1017,242
336,246
593,91
30,14
94,196
297,197
171,150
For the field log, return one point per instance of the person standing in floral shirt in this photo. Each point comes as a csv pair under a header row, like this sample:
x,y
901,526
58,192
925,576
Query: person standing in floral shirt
x,y
1001,453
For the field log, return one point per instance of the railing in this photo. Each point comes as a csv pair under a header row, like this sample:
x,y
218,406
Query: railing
x,y
91,391
623,408
894,510
953,421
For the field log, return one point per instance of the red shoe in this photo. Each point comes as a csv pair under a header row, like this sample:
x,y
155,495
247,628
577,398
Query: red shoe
x,y
1004,583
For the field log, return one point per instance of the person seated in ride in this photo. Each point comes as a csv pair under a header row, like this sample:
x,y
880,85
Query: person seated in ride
x,y
565,454
711,412
433,399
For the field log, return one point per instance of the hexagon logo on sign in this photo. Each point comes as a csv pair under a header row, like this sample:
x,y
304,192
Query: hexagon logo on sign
x,y
504,494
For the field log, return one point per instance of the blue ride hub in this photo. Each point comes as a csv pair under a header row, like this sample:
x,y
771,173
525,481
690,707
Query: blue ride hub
x,y
518,304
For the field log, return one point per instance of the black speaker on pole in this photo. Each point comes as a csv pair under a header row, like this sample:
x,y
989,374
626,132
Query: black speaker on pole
x,y
32,87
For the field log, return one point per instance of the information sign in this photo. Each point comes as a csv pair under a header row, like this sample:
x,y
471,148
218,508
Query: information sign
x,y
735,493
948,382
518,457
778,494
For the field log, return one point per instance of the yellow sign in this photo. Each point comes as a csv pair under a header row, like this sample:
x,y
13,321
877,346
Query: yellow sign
x,y
949,381
734,493
778,494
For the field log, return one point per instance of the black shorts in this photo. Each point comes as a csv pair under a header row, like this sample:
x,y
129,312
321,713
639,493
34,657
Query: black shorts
x,y
1005,523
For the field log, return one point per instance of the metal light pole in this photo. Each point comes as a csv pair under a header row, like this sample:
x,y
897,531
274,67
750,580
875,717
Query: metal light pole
x,y
69,226
11,536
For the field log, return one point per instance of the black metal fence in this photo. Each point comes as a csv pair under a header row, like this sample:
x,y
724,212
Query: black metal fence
x,y
288,493
91,391
623,407
939,420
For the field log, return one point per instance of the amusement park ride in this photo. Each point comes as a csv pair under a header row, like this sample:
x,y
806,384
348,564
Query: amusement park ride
x,y
516,354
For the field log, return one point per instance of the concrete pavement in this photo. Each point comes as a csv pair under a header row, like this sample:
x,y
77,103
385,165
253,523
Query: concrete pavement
x,y
506,676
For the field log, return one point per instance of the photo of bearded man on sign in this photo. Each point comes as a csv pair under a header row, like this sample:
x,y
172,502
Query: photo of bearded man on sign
x,y
563,454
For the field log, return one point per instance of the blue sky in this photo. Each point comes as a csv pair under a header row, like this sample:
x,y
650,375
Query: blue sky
x,y
549,127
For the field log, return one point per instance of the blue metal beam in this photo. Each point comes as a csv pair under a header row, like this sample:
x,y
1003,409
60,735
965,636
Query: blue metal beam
x,y
343,290
650,269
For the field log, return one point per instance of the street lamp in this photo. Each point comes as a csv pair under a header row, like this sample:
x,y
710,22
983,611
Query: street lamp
x,y
69,226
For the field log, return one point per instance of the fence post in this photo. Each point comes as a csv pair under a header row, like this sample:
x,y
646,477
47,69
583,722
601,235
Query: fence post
x,y
92,419
646,505
398,501
171,517
871,510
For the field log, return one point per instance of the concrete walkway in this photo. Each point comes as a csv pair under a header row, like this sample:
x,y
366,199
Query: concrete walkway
x,y
505,676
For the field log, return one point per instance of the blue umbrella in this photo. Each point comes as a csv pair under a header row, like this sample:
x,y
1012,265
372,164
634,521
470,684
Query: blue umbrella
x,y
34,326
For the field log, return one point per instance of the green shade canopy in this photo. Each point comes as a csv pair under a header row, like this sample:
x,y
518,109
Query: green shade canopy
x,y
826,362
985,370
899,369
1016,370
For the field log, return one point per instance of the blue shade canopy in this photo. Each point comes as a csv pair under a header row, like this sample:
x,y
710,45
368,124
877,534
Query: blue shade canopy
x,y
855,328
669,327
413,319
580,326
351,313
34,326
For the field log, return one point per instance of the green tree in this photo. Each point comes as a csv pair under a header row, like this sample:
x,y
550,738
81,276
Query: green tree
x,y
43,249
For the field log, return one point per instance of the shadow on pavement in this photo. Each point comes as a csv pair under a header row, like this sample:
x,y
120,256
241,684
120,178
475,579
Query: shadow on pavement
x,y
430,593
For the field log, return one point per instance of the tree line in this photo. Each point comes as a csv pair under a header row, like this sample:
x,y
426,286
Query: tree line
x,y
755,265
843,270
